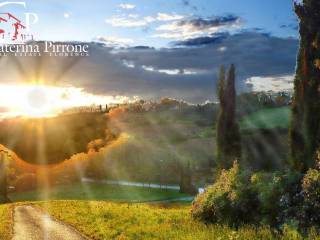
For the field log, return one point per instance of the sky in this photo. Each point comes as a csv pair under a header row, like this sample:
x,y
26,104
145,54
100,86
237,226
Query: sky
x,y
152,49
152,23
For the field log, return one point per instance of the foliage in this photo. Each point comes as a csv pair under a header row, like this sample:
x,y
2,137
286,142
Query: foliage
x,y
131,221
186,185
55,138
311,197
305,125
6,222
272,190
287,200
228,134
229,200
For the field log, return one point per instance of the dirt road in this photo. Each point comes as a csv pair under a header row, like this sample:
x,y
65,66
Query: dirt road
x,y
32,224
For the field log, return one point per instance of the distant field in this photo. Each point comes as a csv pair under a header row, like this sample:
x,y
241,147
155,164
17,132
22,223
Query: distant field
x,y
267,118
104,220
94,191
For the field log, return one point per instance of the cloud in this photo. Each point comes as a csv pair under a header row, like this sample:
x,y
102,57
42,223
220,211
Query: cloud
x,y
271,83
168,17
173,71
66,15
127,22
197,27
113,40
199,41
133,20
187,3
292,26
127,6
119,71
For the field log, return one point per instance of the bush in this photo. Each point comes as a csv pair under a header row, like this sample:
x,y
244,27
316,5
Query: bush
x,y
311,199
286,200
230,200
276,192
238,197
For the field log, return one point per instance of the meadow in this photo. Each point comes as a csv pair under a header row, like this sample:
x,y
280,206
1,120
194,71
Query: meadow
x,y
267,118
6,221
151,222
100,220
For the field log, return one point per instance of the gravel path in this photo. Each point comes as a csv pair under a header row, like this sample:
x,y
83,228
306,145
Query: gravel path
x,y
32,224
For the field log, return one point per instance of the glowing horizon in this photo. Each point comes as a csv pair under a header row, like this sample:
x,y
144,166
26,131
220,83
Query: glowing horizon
x,y
41,100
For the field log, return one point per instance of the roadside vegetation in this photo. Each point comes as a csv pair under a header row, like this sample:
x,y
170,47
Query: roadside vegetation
x,y
140,221
5,221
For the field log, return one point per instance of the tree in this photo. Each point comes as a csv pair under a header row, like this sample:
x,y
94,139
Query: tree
x,y
221,117
228,133
186,185
305,123
3,177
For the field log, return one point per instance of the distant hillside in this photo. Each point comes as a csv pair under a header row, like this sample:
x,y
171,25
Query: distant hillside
x,y
52,140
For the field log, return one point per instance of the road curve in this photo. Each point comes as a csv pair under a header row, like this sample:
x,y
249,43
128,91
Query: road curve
x,y
32,224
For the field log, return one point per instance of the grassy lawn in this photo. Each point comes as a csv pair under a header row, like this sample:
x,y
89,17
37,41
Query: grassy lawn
x,y
105,220
267,118
95,191
5,222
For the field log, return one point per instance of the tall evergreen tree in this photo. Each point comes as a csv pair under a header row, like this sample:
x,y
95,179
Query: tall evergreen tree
x,y
221,118
228,133
305,124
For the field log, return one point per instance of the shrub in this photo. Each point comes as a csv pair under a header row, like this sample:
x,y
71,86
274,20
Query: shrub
x,y
310,212
288,200
229,200
269,188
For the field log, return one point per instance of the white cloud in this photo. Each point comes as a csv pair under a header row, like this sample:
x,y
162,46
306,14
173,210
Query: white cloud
x,y
168,17
66,15
126,22
272,83
222,49
128,64
173,71
113,40
133,20
127,6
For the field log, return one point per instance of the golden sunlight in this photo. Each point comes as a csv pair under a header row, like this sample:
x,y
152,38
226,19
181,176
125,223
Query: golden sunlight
x,y
40,100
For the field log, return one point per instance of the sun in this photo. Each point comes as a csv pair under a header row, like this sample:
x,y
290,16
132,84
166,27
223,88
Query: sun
x,y
37,102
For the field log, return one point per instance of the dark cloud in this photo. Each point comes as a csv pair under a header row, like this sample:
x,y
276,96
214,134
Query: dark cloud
x,y
187,3
213,39
105,71
292,26
207,23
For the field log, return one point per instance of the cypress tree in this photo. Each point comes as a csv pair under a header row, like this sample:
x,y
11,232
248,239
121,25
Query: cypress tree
x,y
221,118
305,123
228,133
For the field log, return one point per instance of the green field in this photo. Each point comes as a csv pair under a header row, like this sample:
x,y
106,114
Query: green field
x,y
105,220
267,118
95,191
